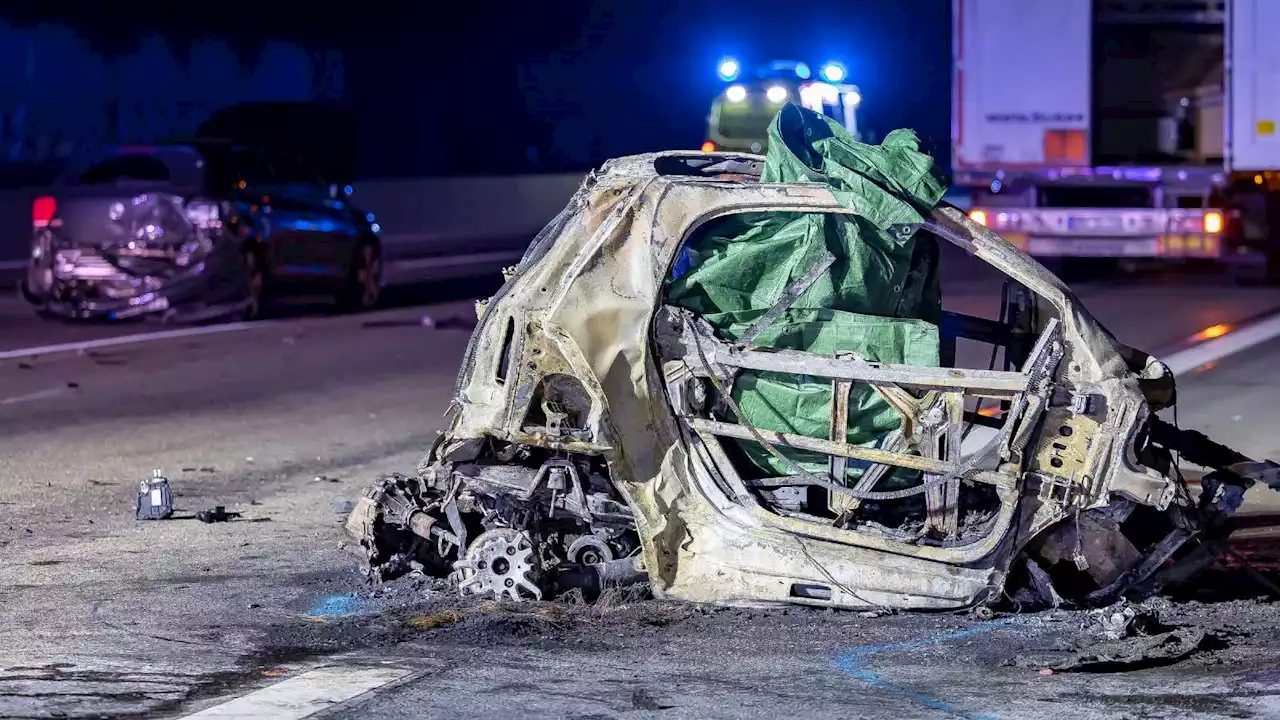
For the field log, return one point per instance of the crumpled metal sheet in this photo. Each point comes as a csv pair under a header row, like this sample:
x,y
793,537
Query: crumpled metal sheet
x,y
1124,638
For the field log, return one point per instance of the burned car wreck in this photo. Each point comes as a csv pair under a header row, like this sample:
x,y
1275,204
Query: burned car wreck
x,y
732,377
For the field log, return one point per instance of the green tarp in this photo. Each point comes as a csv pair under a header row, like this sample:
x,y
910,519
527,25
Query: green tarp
x,y
879,299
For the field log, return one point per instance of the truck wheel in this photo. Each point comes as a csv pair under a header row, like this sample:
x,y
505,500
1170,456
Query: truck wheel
x,y
257,284
363,287
1254,275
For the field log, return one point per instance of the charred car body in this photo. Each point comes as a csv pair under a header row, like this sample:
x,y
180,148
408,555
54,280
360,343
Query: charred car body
x,y
604,432
193,230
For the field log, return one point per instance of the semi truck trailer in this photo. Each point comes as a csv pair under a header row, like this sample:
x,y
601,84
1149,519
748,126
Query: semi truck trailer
x,y
1121,128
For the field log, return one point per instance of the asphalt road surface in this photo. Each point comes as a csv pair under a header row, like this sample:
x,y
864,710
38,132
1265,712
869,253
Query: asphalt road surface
x,y
286,421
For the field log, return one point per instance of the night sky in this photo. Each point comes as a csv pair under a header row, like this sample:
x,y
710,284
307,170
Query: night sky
x,y
474,87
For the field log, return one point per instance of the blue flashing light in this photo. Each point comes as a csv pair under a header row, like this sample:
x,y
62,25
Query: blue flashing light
x,y
833,72
729,69
802,71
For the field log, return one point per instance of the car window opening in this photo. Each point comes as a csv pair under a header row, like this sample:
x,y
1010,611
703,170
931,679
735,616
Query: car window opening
x,y
840,409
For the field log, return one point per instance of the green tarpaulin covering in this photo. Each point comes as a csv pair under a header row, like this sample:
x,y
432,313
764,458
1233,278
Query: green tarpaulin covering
x,y
879,299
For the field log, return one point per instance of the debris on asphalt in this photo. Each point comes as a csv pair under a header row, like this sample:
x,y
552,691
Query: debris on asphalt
x,y
155,498
324,478
1114,622
1125,637
216,515
1131,653
342,507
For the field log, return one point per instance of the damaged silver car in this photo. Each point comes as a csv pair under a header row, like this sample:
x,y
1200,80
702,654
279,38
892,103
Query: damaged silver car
x,y
731,376
195,230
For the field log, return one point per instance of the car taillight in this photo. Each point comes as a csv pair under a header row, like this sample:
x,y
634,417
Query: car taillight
x,y
978,216
708,146
1213,222
42,211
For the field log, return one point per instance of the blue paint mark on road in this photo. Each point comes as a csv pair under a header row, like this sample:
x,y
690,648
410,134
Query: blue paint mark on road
x,y
853,664
337,606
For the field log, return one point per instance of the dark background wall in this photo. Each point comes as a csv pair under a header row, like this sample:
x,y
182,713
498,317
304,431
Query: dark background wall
x,y
461,88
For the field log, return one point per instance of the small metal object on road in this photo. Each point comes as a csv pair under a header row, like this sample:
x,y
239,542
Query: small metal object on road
x,y
155,499
218,514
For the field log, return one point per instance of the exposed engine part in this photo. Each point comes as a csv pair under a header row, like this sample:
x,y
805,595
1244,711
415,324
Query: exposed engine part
x,y
588,550
500,563
594,578
392,525
538,524
624,571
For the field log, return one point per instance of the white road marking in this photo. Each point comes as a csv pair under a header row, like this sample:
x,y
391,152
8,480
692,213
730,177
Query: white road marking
x,y
442,261
125,340
1230,343
38,395
306,694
